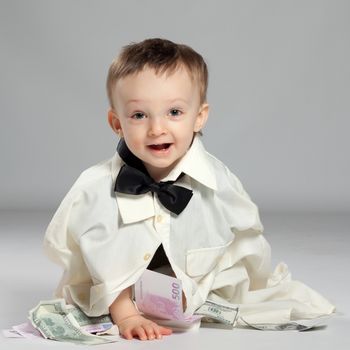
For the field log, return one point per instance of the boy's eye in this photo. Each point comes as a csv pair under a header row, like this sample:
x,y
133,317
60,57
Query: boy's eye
x,y
137,115
175,112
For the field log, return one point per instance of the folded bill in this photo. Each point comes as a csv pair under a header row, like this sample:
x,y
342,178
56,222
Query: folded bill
x,y
296,325
223,313
90,324
159,298
11,333
56,321
27,330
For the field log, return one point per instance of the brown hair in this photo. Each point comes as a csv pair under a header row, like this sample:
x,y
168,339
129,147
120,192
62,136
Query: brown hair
x,y
162,55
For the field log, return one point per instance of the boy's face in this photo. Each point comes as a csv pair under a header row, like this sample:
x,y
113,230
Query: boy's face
x,y
157,115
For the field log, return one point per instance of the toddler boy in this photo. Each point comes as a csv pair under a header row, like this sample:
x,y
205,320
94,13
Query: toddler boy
x,y
163,200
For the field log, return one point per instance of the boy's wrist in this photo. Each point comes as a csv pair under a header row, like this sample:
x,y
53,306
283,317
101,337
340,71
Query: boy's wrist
x,y
123,307
121,320
119,317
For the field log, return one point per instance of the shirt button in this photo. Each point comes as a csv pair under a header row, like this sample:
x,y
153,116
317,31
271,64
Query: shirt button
x,y
159,218
82,297
146,256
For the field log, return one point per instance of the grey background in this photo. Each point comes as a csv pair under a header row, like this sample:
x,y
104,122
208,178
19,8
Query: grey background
x,y
279,93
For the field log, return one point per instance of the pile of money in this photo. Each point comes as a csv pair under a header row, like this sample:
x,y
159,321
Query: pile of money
x,y
56,320
159,297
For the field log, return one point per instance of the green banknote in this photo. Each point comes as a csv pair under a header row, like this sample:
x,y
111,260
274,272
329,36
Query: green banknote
x,y
215,312
55,320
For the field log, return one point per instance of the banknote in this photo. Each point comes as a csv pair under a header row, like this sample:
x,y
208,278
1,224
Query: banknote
x,y
223,313
23,330
295,325
90,324
11,333
54,321
160,297
27,330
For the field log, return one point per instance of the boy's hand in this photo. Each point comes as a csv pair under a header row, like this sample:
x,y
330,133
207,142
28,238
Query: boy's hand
x,y
142,328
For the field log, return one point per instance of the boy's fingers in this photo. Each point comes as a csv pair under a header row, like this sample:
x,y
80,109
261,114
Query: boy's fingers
x,y
165,331
157,332
127,334
149,331
140,332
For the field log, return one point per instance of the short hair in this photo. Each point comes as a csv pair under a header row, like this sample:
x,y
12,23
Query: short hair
x,y
163,56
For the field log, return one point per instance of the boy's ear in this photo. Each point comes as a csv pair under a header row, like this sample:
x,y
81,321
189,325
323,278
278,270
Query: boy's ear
x,y
202,117
114,122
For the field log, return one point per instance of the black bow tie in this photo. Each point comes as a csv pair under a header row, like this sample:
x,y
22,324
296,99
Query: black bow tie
x,y
133,178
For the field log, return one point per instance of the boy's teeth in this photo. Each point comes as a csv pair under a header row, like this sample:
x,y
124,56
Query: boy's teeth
x,y
161,146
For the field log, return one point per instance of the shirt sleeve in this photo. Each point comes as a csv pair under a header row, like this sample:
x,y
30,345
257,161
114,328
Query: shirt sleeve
x,y
62,244
62,248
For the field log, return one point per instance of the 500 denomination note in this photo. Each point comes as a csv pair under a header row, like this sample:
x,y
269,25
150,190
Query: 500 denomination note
x,y
160,297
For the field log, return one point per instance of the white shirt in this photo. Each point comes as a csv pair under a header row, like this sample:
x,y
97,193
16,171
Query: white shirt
x,y
105,240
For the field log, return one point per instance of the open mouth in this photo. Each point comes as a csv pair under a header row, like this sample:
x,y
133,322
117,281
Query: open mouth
x,y
160,147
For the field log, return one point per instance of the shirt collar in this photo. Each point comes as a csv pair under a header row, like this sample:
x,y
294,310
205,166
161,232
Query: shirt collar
x,y
195,163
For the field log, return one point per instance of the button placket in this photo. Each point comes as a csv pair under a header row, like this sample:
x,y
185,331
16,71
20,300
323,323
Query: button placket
x,y
147,256
161,218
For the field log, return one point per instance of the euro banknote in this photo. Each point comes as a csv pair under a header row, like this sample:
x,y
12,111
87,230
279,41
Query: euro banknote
x,y
159,297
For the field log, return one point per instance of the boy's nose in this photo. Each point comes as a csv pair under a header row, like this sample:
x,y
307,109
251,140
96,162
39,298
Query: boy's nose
x,y
156,127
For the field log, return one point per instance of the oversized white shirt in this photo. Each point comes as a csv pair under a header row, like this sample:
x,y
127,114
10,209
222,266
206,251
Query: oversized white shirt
x,y
105,240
